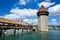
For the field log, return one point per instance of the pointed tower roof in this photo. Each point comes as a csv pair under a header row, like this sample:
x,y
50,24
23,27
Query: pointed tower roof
x,y
42,9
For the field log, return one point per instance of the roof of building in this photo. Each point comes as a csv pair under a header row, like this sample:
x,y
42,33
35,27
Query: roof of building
x,y
42,9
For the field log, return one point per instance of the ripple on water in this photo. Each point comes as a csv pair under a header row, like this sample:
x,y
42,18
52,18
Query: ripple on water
x,y
50,35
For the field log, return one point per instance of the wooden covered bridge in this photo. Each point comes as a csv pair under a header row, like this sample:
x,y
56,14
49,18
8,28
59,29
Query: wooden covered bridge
x,y
13,24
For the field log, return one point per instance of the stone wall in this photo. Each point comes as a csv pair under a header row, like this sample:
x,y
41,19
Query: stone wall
x,y
43,23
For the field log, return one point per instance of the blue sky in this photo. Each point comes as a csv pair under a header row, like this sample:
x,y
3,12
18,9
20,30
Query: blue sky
x,y
26,10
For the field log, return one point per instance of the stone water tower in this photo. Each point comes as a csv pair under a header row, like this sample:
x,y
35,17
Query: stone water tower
x,y
42,19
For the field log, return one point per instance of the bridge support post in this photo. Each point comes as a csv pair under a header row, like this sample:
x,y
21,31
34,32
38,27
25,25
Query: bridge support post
x,y
27,29
14,31
0,31
18,31
22,30
5,33
30,29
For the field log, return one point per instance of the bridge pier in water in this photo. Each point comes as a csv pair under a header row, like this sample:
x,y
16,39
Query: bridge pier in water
x,y
14,31
27,30
0,31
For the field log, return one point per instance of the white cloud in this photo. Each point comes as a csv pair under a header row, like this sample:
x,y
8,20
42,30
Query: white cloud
x,y
31,21
53,22
23,2
17,13
55,10
11,16
46,4
22,13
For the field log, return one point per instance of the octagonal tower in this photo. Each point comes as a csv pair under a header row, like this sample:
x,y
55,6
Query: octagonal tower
x,y
42,19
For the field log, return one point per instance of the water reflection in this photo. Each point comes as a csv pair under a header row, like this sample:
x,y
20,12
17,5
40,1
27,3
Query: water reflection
x,y
50,35
54,34
43,35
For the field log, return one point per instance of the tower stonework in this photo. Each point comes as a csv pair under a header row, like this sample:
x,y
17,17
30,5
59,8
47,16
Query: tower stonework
x,y
42,19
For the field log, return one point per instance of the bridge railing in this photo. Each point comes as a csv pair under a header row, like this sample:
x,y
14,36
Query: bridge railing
x,y
10,25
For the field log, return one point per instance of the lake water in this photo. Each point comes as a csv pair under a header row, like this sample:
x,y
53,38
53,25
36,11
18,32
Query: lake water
x,y
50,35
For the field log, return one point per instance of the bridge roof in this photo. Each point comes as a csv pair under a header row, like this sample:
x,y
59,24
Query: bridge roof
x,y
13,21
